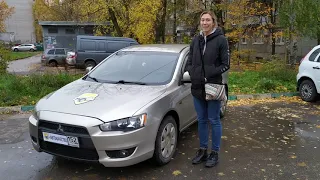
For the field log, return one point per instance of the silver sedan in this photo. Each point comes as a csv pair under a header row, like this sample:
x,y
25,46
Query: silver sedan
x,y
129,108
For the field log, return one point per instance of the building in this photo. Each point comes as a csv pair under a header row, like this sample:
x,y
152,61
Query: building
x,y
19,27
63,34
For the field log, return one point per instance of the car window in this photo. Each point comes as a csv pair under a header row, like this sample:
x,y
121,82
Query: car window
x,y
115,46
51,51
59,51
145,67
88,45
314,55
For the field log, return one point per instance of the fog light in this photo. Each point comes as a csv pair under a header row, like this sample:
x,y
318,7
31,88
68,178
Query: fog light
x,y
120,153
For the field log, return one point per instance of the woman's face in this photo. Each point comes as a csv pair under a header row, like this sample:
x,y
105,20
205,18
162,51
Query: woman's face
x,y
206,23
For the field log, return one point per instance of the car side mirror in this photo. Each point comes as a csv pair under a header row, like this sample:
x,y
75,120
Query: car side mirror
x,y
88,69
186,77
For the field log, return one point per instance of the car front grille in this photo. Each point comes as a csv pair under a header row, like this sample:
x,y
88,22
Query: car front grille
x,y
86,151
66,128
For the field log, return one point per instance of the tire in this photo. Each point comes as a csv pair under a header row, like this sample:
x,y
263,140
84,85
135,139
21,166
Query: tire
x,y
15,50
308,91
32,50
53,63
160,158
90,63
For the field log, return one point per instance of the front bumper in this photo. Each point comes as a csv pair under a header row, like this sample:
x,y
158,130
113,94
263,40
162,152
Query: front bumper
x,y
97,143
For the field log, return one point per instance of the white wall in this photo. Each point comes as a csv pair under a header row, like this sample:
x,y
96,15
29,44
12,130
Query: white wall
x,y
21,22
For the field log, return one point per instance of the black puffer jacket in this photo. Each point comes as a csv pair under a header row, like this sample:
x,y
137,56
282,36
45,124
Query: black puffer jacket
x,y
216,61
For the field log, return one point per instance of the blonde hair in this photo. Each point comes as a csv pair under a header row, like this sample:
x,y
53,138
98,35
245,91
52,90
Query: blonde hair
x,y
213,16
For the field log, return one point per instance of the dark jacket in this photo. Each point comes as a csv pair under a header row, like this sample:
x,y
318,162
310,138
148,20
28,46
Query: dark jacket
x,y
211,65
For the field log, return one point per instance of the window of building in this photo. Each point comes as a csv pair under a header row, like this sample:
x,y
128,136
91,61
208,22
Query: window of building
x,y
88,30
70,31
258,37
53,30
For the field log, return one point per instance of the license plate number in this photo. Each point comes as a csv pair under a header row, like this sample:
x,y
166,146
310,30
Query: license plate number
x,y
60,139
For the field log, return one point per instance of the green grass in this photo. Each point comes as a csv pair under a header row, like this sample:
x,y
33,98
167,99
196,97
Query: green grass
x,y
27,90
252,82
21,55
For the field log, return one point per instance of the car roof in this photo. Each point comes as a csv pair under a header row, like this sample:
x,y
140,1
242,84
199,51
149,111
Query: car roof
x,y
174,48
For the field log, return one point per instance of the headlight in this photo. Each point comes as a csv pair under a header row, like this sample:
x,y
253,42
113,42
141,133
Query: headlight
x,y
127,124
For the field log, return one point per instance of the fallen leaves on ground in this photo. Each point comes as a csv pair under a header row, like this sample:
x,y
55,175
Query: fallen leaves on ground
x,y
302,164
241,102
221,174
176,172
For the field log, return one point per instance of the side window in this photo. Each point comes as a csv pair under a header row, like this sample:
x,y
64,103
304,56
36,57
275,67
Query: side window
x,y
318,58
115,46
314,55
51,51
88,45
60,51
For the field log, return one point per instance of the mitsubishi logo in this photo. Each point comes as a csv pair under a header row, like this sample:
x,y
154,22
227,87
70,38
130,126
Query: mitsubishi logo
x,y
60,128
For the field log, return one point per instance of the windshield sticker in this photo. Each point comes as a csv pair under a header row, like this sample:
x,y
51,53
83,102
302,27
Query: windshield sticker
x,y
85,98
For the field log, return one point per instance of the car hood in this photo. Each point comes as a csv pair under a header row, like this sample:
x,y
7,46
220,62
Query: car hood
x,y
106,101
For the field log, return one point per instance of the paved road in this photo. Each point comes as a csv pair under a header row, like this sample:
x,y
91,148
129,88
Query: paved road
x,y
264,141
24,66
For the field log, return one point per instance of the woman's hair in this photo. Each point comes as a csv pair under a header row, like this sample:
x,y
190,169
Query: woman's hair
x,y
213,16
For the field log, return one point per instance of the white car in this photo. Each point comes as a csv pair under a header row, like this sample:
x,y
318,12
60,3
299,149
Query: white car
x,y
71,58
24,47
308,78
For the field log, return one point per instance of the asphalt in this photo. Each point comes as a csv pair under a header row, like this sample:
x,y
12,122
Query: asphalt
x,y
24,66
278,140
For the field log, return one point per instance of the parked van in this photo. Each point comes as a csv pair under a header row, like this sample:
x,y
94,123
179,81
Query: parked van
x,y
91,50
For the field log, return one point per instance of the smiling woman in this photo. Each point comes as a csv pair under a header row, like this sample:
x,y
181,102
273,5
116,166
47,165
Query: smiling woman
x,y
150,68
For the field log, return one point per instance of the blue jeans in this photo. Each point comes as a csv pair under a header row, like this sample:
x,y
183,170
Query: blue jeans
x,y
208,111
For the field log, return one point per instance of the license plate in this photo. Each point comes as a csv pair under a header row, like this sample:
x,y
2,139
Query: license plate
x,y
60,139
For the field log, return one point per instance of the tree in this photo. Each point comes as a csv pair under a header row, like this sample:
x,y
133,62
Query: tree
x,y
5,12
130,18
300,18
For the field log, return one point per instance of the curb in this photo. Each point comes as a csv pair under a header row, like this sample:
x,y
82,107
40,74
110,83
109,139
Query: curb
x,y
21,109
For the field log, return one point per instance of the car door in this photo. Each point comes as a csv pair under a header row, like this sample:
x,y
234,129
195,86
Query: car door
x,y
185,105
316,71
60,55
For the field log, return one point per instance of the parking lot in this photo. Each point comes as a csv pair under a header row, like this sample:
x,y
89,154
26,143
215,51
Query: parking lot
x,y
277,140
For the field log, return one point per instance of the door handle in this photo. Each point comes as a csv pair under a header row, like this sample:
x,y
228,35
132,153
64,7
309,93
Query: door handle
x,y
316,67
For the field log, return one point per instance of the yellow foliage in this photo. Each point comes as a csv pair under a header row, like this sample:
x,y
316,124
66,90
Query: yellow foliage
x,y
5,12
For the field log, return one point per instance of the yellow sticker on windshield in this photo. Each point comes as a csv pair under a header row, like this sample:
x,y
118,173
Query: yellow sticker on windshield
x,y
85,98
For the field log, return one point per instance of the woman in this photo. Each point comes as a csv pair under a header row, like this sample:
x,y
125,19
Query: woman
x,y
208,59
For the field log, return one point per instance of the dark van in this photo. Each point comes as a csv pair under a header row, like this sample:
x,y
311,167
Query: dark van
x,y
91,50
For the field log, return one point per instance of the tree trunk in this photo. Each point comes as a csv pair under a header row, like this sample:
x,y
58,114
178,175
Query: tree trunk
x,y
115,22
174,30
273,23
160,25
318,37
163,21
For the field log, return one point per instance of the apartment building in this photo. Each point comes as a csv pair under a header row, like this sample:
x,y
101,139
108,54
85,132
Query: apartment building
x,y
19,27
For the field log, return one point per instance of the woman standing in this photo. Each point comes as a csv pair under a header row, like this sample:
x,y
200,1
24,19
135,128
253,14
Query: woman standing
x,y
208,60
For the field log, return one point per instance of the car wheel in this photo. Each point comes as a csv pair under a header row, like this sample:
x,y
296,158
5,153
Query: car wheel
x,y
308,91
15,50
223,108
53,63
166,141
90,64
31,50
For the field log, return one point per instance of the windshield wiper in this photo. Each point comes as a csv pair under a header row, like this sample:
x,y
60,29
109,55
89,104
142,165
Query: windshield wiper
x,y
93,78
130,82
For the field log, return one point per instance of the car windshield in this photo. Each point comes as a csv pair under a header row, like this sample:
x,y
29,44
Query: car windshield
x,y
153,68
